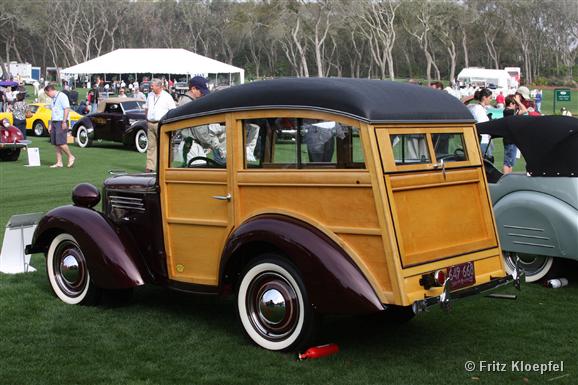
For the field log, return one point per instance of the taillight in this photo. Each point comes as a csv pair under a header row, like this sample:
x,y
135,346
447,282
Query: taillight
x,y
440,277
434,279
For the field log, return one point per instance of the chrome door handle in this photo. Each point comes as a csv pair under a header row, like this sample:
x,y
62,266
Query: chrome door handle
x,y
441,165
223,198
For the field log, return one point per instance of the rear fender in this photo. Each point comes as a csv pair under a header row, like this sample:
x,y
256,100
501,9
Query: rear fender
x,y
334,283
536,223
111,259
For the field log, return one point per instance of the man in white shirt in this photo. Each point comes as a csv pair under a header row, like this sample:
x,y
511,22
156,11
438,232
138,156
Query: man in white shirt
x,y
159,102
60,107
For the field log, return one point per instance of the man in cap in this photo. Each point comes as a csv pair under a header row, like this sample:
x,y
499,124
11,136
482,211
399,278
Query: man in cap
x,y
198,140
197,88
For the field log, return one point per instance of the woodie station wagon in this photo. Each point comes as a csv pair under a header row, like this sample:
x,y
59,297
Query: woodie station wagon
x,y
377,203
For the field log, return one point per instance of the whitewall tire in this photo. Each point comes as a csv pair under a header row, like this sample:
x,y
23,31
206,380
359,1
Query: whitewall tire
x,y
68,272
141,142
82,138
272,305
536,267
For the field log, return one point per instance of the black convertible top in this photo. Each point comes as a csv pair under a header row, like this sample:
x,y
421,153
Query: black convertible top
x,y
372,101
549,143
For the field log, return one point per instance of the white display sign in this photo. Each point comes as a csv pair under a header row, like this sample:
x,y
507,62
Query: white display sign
x,y
33,156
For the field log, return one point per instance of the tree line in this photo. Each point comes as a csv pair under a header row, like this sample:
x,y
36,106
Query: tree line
x,y
386,39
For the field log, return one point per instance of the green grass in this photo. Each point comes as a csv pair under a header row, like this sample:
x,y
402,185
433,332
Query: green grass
x,y
163,337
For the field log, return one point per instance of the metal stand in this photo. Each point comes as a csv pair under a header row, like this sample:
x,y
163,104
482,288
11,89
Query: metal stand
x,y
17,235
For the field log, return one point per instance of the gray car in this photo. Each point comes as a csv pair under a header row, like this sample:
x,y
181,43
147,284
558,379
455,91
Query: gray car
x,y
537,212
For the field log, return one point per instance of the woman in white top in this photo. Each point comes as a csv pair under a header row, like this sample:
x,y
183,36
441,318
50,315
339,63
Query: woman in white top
x,y
482,99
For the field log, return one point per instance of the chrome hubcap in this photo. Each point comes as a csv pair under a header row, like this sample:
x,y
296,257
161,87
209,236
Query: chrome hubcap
x,y
531,264
272,306
38,129
142,140
70,269
82,135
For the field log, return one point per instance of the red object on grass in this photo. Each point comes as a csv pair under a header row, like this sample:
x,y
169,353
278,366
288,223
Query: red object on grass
x,y
319,351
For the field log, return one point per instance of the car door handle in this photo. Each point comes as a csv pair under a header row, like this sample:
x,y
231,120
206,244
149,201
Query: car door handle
x,y
441,165
223,198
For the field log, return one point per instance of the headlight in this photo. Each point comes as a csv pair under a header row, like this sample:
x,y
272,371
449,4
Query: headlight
x,y
6,123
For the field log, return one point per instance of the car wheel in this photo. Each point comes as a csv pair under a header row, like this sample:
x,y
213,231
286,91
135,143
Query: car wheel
x,y
273,305
82,138
10,155
68,272
141,141
39,129
536,267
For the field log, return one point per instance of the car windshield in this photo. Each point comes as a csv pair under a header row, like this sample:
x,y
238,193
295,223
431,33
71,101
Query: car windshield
x,y
133,105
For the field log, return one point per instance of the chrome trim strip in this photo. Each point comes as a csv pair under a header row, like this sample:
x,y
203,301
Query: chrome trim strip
x,y
127,207
522,228
533,244
528,236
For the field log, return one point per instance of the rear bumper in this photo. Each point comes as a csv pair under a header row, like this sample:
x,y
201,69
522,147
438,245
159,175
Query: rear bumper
x,y
447,296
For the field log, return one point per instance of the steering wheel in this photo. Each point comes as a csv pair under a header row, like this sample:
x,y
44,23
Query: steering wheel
x,y
459,154
208,161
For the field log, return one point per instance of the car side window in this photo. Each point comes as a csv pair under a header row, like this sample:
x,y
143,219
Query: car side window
x,y
301,143
450,147
203,146
113,108
410,149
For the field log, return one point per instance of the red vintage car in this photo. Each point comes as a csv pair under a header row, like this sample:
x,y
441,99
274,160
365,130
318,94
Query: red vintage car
x,y
11,141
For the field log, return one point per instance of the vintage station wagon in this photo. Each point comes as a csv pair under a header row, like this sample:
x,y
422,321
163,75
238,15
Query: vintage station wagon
x,y
379,205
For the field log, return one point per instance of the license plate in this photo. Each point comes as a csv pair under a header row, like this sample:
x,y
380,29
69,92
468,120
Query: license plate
x,y
462,275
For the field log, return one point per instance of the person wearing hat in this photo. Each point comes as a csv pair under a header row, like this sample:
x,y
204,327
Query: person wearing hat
x,y
197,88
523,93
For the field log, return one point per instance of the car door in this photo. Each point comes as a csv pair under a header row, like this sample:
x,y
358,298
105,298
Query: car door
x,y
196,199
437,192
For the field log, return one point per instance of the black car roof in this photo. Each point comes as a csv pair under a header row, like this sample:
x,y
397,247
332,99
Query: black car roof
x,y
372,101
549,143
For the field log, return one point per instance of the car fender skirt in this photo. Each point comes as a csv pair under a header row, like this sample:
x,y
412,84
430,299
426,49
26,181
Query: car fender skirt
x,y
110,257
536,223
334,283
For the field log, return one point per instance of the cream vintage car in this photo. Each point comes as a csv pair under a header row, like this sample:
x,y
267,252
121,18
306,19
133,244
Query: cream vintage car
x,y
379,205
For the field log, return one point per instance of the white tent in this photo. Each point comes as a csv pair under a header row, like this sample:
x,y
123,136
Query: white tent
x,y
154,61
486,77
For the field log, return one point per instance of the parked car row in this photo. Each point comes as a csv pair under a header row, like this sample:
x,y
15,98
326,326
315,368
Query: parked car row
x,y
39,121
116,119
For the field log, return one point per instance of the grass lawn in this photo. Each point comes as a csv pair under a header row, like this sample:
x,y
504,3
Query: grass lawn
x,y
164,337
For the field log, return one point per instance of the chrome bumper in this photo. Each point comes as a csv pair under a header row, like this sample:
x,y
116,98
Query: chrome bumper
x,y
12,146
447,296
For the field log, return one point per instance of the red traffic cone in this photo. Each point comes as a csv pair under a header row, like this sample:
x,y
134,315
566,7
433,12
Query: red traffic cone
x,y
319,351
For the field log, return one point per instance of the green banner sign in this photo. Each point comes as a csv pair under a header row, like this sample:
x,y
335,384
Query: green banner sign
x,y
563,95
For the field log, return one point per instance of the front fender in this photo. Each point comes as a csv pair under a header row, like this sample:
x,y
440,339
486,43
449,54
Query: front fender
x,y
537,223
136,126
334,283
110,258
86,122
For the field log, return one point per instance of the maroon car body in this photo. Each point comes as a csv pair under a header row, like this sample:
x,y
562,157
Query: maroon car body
x,y
11,142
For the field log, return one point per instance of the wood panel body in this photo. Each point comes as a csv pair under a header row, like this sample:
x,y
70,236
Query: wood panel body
x,y
395,222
